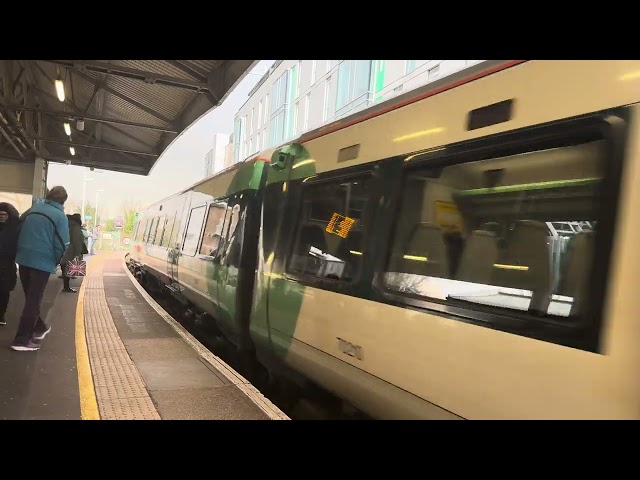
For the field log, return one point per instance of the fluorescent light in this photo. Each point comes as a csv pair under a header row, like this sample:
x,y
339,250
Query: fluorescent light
x,y
60,90
67,129
72,150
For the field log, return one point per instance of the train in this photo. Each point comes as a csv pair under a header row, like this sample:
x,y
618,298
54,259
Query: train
x,y
465,250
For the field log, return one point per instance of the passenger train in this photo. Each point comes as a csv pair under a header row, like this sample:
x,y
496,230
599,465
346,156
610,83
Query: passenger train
x,y
464,251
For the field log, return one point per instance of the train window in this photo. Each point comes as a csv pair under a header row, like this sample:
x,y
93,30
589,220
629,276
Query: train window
x,y
174,242
330,230
194,228
233,231
514,233
147,228
140,229
213,229
161,228
152,231
168,231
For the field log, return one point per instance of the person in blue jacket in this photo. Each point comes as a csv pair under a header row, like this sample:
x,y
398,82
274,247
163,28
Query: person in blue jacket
x,y
44,237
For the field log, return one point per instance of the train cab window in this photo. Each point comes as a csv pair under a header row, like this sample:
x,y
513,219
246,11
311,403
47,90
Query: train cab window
x,y
194,227
213,229
509,234
330,230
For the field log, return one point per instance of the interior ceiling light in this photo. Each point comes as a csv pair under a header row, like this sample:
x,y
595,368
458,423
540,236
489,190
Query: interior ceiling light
x,y
72,150
60,89
67,128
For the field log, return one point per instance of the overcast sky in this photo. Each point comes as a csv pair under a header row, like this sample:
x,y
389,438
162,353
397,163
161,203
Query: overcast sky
x,y
181,165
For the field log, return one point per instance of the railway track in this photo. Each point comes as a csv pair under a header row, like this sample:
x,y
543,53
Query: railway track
x,y
308,404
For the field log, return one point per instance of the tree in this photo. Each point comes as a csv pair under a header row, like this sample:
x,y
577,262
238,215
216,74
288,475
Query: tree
x,y
130,209
110,225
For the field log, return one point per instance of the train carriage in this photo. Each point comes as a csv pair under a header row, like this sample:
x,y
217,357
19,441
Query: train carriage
x,y
466,250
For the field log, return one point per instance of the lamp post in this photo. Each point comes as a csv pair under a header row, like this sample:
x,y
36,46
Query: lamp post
x,y
84,191
95,221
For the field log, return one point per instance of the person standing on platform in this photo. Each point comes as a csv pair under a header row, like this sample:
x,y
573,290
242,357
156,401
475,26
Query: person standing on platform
x,y
95,234
85,235
44,237
75,250
9,230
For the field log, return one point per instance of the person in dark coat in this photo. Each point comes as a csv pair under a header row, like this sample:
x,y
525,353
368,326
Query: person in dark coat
x,y
75,250
9,231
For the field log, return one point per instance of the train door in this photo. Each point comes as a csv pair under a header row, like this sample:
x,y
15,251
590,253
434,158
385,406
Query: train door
x,y
173,253
212,241
229,258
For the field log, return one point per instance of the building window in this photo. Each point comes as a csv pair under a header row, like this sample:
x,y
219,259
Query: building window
x,y
307,105
296,119
293,94
314,66
411,66
331,228
278,125
251,122
354,85
237,140
433,73
243,138
325,105
259,123
266,109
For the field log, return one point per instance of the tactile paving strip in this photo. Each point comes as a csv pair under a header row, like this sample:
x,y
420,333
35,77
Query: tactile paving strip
x,y
120,390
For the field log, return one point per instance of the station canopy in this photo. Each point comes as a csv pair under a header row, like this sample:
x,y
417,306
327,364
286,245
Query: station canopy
x,y
117,115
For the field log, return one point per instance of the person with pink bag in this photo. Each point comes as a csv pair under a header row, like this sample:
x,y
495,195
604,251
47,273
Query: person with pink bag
x,y
74,251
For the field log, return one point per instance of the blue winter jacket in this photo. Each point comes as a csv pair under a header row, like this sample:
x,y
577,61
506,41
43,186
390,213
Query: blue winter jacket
x,y
38,245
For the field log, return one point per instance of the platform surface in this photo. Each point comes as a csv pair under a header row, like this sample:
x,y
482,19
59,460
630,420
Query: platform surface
x,y
114,354
43,384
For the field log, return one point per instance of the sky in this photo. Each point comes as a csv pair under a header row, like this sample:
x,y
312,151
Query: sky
x,y
179,167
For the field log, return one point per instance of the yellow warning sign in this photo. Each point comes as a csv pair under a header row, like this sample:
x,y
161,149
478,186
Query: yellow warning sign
x,y
448,217
340,225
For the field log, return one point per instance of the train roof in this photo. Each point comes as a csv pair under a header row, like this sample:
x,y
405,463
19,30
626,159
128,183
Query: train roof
x,y
430,118
244,175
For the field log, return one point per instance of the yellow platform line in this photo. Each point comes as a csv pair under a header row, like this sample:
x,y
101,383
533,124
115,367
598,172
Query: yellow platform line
x,y
88,400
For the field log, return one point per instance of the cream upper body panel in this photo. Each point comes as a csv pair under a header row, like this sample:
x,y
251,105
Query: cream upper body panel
x,y
542,90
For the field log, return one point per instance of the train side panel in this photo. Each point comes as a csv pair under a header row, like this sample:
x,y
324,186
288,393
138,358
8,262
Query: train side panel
x,y
215,258
427,334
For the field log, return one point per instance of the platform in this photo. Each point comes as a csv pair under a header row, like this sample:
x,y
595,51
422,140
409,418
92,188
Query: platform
x,y
114,353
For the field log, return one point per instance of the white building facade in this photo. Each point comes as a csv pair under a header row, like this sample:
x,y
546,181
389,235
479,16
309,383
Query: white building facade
x,y
296,96
214,161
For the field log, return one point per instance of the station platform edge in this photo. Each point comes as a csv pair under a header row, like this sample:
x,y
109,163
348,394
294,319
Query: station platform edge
x,y
133,360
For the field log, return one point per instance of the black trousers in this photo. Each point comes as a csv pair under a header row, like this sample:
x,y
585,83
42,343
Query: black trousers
x,y
7,284
33,283
4,300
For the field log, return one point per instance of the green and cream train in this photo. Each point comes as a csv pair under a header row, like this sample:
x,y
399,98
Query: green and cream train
x,y
464,251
